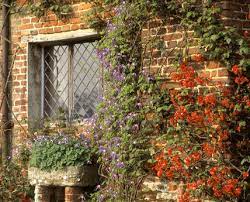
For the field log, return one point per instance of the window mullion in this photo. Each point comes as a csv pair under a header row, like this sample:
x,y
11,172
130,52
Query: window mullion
x,y
70,82
42,83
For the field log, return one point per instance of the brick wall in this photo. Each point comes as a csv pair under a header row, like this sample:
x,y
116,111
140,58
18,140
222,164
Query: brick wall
x,y
235,13
25,26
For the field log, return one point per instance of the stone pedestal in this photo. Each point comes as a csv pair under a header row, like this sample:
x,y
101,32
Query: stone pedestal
x,y
65,185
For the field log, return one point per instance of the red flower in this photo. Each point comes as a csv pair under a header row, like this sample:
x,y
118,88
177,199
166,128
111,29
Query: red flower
x,y
169,174
200,100
240,80
159,173
210,99
245,175
195,118
225,103
248,103
187,161
213,170
198,58
246,33
236,69
237,191
185,197
196,156
208,149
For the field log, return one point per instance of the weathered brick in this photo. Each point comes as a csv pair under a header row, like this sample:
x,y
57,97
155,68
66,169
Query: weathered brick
x,y
74,27
223,73
26,26
212,65
172,36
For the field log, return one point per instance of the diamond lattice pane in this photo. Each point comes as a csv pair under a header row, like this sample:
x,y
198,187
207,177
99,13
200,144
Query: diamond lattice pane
x,y
56,81
86,80
72,81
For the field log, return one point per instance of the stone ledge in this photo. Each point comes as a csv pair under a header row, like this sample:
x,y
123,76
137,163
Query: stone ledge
x,y
70,176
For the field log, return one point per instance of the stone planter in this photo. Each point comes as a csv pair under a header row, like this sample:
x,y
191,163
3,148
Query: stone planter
x,y
81,176
62,185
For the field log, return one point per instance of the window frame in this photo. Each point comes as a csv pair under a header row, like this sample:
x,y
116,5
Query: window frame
x,y
36,47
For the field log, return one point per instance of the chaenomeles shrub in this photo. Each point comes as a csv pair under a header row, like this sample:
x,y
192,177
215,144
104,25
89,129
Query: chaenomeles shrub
x,y
61,150
14,184
206,145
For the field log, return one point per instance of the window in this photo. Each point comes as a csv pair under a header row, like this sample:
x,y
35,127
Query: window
x,y
70,81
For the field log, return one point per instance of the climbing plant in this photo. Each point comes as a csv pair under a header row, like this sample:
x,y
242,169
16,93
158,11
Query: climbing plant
x,y
198,134
61,8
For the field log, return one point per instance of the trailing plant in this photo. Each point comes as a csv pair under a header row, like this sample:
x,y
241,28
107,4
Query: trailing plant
x,y
58,151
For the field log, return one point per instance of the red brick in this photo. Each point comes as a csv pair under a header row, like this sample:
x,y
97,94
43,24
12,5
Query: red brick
x,y
21,77
24,108
74,27
83,26
38,25
57,29
24,70
26,26
20,64
193,50
212,65
20,102
34,20
33,32
25,21
171,44
75,20
46,31
73,194
15,83
52,17
223,73
66,28
213,73
154,24
172,36
24,83
60,23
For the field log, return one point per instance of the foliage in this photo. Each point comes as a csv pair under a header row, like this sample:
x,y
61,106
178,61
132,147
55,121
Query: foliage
x,y
207,132
58,151
14,185
61,8
200,138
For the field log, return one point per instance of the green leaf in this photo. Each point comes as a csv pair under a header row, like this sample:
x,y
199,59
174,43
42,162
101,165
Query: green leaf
x,y
214,37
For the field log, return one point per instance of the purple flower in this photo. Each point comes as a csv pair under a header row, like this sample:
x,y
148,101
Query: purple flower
x,y
135,127
113,155
120,164
110,26
139,105
102,149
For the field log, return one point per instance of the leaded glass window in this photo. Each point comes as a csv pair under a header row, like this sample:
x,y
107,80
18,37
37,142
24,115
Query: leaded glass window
x,y
71,81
